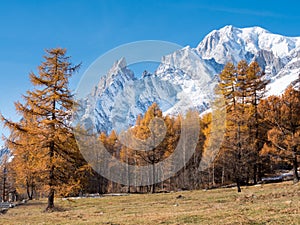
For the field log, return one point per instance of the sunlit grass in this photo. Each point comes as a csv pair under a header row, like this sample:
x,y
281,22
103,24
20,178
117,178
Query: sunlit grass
x,y
263,204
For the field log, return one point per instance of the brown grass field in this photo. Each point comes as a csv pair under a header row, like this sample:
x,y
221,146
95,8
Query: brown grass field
x,y
261,204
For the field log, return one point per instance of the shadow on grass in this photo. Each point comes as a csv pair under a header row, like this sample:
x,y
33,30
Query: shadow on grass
x,y
43,205
55,209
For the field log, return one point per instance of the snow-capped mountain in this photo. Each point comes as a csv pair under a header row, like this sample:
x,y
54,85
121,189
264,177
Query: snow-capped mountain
x,y
234,44
278,56
186,78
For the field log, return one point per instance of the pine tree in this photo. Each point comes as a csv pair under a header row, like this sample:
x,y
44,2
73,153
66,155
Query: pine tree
x,y
50,104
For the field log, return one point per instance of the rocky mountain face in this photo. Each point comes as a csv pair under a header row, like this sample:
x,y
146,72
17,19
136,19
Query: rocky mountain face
x,y
186,78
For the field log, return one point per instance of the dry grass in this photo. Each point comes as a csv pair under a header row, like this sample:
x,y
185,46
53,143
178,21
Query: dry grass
x,y
266,204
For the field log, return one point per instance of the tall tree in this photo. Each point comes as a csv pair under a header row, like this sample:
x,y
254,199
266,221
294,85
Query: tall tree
x,y
256,88
242,88
156,153
233,140
50,104
283,115
227,85
242,81
28,162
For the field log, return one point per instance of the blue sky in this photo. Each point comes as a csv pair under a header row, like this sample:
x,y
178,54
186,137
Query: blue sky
x,y
88,29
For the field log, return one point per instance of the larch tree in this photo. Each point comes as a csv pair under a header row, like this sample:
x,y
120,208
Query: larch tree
x,y
256,90
7,181
242,81
213,130
242,88
151,132
50,104
151,140
114,148
28,161
227,85
234,140
283,114
206,126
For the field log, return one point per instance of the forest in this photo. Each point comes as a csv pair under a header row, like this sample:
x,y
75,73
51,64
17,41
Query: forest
x,y
261,136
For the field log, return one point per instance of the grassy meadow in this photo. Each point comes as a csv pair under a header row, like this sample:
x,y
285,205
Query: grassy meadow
x,y
261,204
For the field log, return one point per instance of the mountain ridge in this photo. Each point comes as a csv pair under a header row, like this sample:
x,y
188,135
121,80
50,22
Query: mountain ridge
x,y
186,78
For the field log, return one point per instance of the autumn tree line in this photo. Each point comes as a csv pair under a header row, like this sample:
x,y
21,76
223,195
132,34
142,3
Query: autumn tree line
x,y
261,135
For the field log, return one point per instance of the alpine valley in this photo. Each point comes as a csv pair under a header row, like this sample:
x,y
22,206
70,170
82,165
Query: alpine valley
x,y
186,78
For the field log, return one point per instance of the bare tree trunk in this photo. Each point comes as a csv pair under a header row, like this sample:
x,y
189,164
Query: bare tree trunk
x,y
238,184
128,173
153,177
255,173
259,172
29,189
4,182
213,175
51,199
51,156
51,180
223,175
295,168
239,156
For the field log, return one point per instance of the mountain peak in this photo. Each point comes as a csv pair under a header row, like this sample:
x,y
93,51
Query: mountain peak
x,y
117,66
254,29
118,73
231,44
190,72
227,28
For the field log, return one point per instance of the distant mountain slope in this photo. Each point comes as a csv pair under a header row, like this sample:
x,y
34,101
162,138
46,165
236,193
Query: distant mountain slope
x,y
186,78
